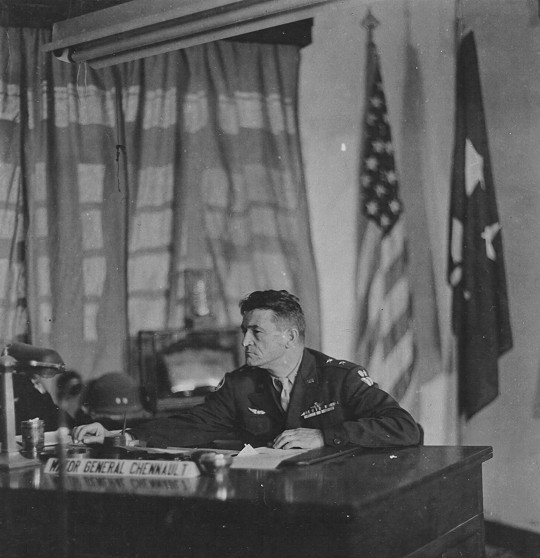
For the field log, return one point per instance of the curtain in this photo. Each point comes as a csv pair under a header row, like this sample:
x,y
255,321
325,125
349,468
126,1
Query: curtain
x,y
114,182
13,302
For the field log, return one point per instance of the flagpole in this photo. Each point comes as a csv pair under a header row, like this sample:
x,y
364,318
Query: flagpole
x,y
123,188
370,22
452,353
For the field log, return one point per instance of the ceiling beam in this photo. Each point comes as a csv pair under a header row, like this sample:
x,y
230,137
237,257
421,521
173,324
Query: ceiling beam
x,y
141,28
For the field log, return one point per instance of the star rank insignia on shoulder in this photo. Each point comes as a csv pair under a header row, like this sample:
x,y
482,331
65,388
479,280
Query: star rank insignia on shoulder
x,y
340,363
350,367
335,362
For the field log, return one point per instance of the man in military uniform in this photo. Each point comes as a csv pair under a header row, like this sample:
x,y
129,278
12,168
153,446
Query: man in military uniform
x,y
285,396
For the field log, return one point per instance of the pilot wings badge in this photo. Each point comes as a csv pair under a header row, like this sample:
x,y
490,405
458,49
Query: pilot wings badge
x,y
257,411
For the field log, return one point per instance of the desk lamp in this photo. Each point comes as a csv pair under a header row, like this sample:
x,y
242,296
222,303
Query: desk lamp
x,y
20,358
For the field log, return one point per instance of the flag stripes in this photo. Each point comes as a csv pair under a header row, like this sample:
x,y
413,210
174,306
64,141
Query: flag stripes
x,y
386,340
385,336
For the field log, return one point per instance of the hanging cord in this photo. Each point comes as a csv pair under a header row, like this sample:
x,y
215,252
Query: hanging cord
x,y
122,183
120,149
120,141
8,61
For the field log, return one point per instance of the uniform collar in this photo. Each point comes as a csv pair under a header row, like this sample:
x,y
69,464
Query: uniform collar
x,y
308,368
290,377
305,388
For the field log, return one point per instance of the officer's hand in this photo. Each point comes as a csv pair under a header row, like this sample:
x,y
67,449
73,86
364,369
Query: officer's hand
x,y
94,433
305,438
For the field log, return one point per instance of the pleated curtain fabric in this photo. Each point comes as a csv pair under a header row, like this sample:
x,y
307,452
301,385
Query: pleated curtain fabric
x,y
113,182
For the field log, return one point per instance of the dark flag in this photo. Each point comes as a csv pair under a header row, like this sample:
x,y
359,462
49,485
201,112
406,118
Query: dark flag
x,y
385,332
480,314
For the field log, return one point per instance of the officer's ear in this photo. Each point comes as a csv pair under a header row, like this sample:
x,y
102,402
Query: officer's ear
x,y
292,336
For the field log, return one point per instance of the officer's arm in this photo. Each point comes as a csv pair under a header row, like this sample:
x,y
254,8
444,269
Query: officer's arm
x,y
195,426
373,418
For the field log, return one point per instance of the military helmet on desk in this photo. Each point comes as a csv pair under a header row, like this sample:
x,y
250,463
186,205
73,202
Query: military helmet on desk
x,y
113,395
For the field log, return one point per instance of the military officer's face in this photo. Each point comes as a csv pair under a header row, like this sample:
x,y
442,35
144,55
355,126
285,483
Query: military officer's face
x,y
265,340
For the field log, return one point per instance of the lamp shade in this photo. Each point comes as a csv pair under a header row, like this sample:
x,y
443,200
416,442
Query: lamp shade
x,y
27,359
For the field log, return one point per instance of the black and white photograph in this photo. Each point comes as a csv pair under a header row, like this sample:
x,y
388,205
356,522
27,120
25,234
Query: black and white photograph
x,y
269,275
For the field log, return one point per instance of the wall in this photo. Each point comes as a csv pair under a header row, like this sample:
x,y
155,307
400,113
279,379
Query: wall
x,y
420,95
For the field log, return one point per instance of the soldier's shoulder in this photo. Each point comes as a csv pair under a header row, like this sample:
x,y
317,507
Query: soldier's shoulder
x,y
241,369
335,365
236,377
325,361
244,371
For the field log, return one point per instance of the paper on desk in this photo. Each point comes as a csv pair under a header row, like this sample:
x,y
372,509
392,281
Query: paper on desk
x,y
177,450
247,451
262,458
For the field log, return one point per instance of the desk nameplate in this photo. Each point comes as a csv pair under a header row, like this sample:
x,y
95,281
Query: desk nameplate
x,y
125,468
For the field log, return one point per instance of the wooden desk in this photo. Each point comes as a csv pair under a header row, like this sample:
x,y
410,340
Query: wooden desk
x,y
416,502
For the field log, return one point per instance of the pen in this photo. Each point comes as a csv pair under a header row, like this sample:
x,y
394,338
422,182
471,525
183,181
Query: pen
x,y
123,440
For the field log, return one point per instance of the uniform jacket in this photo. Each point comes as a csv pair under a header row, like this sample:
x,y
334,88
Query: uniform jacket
x,y
31,403
335,396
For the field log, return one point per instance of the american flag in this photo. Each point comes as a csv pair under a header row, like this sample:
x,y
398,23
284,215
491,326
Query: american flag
x,y
386,342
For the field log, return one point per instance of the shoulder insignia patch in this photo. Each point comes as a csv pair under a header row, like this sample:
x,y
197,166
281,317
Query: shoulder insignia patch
x,y
220,385
362,372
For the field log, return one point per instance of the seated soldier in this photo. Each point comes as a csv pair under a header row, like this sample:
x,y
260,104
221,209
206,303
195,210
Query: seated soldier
x,y
33,400
285,396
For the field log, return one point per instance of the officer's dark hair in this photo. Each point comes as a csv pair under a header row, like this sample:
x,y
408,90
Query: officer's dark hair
x,y
69,384
283,304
